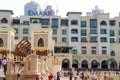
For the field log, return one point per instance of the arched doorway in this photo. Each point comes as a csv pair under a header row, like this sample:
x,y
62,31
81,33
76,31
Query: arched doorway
x,y
104,64
94,64
84,64
113,65
65,64
4,20
1,42
75,64
40,42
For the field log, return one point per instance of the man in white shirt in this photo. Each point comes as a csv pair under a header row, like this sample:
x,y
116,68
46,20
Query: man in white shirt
x,y
4,63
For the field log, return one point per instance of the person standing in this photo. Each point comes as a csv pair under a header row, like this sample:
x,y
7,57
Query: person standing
x,y
4,63
51,76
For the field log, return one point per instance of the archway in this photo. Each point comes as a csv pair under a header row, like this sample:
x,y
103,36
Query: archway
x,y
1,42
65,64
22,48
94,64
4,20
84,64
40,42
113,65
104,64
75,63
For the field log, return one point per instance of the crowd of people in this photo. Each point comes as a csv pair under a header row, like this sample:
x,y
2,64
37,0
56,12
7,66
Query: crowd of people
x,y
83,75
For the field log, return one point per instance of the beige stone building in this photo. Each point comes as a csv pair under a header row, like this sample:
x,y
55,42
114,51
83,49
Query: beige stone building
x,y
90,41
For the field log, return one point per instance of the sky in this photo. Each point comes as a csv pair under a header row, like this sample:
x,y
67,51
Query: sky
x,y
64,6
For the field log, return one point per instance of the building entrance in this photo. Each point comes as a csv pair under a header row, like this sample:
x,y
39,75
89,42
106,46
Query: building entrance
x,y
65,64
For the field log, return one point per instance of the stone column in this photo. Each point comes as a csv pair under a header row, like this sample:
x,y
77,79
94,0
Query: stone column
x,y
89,65
26,67
34,64
9,67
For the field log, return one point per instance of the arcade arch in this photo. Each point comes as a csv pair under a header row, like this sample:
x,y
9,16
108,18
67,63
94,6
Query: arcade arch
x,y
75,63
104,64
65,63
94,64
84,64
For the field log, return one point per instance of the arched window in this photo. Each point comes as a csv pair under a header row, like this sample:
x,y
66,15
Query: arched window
x,y
74,22
103,23
1,42
112,53
4,20
74,31
35,21
41,43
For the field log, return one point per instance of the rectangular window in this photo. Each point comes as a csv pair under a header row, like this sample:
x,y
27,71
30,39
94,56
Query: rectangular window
x,y
118,40
74,51
16,30
104,47
104,52
74,39
119,32
84,52
111,32
25,37
93,51
54,31
93,31
93,39
103,39
64,39
83,23
83,47
93,23
16,37
112,22
112,40
64,31
25,30
45,21
119,24
54,22
16,21
74,22
83,39
103,31
64,22
55,38
74,31
83,32
25,22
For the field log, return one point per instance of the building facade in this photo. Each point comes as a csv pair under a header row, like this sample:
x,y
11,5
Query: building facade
x,y
90,41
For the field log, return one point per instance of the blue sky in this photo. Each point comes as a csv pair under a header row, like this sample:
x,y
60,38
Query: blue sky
x,y
64,6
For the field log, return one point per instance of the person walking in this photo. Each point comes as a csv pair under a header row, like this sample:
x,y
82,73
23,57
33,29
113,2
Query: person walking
x,y
4,63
